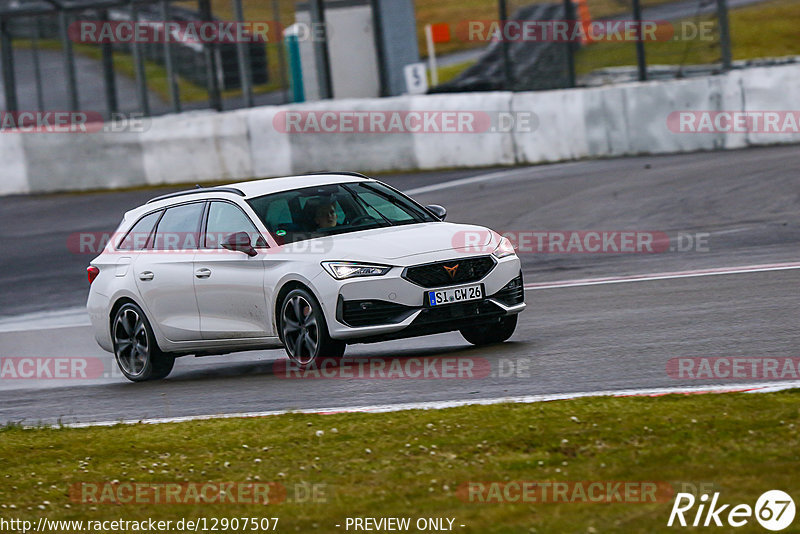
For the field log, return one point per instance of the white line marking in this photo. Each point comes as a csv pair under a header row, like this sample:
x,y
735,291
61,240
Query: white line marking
x,y
466,181
68,317
438,405
665,276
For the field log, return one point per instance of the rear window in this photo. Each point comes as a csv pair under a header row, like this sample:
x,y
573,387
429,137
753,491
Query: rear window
x,y
138,238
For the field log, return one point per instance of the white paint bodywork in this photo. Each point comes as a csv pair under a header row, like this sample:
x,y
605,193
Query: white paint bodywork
x,y
235,307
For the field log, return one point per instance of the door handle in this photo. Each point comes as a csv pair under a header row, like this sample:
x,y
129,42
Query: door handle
x,y
146,275
202,273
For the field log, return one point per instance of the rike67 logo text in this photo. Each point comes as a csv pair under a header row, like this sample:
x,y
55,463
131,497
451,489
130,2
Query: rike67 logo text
x,y
774,510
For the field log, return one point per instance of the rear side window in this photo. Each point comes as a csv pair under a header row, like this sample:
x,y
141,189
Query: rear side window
x,y
138,238
179,228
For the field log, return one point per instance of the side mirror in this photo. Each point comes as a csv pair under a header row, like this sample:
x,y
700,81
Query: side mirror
x,y
239,242
439,211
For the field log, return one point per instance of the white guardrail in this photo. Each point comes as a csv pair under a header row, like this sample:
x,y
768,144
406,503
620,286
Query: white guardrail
x,y
562,125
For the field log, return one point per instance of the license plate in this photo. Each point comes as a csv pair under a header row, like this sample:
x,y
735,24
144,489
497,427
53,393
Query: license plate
x,y
450,296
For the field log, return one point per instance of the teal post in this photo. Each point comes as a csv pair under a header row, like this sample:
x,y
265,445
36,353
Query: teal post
x,y
295,69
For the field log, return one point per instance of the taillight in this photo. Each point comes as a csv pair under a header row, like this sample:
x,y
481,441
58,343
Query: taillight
x,y
92,272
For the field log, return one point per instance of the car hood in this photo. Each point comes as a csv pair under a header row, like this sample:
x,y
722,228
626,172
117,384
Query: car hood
x,y
399,242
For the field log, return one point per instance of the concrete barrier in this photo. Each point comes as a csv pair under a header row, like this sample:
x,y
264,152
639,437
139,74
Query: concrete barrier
x,y
346,147
14,174
81,161
771,89
560,131
569,124
197,147
482,144
270,151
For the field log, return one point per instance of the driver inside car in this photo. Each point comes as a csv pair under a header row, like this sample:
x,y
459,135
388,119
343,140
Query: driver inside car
x,y
323,214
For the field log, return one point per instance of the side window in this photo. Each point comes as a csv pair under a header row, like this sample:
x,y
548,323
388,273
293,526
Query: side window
x,y
138,238
224,219
179,227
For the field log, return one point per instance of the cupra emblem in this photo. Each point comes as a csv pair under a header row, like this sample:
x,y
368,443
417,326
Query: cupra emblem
x,y
451,270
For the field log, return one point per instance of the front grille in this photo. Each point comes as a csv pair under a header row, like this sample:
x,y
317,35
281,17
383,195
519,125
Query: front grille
x,y
458,272
373,312
513,292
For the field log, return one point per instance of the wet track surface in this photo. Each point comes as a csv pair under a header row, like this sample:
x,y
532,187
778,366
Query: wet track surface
x,y
569,339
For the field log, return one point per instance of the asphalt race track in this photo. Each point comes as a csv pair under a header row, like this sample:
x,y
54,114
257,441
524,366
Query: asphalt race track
x,y
745,205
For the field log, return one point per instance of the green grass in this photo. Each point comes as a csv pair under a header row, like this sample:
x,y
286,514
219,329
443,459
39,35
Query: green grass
x,y
451,71
412,463
763,30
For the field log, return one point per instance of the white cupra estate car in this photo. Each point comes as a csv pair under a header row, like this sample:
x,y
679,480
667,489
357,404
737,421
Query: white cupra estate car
x,y
309,263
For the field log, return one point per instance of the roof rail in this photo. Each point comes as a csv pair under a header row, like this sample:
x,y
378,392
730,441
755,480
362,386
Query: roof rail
x,y
343,173
199,189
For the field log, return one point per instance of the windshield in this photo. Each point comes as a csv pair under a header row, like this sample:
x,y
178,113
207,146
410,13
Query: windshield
x,y
311,212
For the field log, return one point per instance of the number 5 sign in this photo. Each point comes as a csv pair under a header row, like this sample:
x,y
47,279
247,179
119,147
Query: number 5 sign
x,y
416,78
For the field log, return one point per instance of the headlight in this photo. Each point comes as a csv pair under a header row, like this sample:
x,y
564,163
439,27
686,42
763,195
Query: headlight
x,y
346,269
504,248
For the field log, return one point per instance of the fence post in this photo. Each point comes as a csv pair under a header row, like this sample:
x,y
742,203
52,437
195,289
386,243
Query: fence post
x,y
174,94
724,34
212,82
569,14
109,81
641,59
69,60
138,63
321,49
276,15
508,73
243,58
9,83
37,68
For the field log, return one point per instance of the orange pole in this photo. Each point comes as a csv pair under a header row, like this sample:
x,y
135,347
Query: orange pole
x,y
585,18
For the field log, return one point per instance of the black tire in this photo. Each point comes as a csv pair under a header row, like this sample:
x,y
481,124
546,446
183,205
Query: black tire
x,y
135,349
491,333
304,331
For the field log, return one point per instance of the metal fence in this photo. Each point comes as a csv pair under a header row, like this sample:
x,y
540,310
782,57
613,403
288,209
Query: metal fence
x,y
47,64
51,62
517,46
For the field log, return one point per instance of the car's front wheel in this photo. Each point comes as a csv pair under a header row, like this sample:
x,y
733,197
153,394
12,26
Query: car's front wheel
x,y
135,347
304,330
491,333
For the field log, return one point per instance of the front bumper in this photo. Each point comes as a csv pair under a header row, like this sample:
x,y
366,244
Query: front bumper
x,y
392,307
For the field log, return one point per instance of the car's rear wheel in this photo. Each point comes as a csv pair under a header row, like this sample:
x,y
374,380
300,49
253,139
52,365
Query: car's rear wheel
x,y
135,347
304,331
491,333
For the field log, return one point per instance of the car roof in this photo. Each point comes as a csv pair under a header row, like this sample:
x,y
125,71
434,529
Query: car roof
x,y
256,188
249,189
